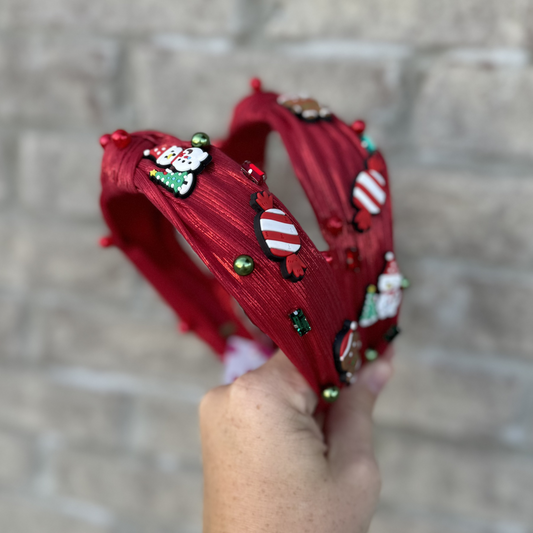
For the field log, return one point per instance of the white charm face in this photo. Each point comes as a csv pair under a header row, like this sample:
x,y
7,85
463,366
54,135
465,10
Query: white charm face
x,y
189,159
389,282
165,159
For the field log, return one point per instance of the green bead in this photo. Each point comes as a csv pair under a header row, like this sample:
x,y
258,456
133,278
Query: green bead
x,y
200,140
405,283
371,355
330,394
300,323
243,265
368,144
227,329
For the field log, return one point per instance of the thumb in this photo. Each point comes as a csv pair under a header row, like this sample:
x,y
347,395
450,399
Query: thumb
x,y
349,421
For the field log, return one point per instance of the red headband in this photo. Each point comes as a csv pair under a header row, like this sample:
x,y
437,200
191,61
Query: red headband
x,y
306,301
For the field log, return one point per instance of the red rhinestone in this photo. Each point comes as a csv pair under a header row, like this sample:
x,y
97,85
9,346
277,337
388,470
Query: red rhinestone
x,y
121,139
328,256
352,259
184,327
255,84
106,242
359,127
334,225
104,140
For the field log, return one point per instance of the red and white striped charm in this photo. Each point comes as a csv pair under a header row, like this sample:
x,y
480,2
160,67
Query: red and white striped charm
x,y
368,196
277,236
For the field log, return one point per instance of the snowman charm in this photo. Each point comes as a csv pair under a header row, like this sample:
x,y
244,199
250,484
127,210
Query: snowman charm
x,y
178,167
390,289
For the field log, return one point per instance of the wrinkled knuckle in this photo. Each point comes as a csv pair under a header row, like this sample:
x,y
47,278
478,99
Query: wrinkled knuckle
x,y
367,470
245,388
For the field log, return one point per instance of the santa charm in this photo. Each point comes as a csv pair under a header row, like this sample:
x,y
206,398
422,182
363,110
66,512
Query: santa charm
x,y
368,197
178,167
389,296
346,351
277,236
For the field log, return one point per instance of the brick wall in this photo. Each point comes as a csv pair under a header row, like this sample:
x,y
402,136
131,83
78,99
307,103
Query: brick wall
x,y
98,392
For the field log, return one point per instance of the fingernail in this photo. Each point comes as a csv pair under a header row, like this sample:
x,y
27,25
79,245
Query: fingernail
x,y
376,376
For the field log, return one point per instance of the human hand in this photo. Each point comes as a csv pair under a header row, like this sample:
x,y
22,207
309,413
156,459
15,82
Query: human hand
x,y
271,466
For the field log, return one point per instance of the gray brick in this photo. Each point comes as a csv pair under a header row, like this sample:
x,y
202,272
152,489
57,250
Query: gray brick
x,y
421,22
168,428
66,259
468,308
454,213
53,79
475,108
128,345
363,87
11,317
59,173
478,482
32,404
439,393
16,464
125,485
25,516
122,16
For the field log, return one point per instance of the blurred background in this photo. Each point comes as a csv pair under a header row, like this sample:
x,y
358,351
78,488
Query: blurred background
x,y
98,390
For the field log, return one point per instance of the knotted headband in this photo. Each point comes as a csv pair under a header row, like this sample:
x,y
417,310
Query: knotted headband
x,y
329,312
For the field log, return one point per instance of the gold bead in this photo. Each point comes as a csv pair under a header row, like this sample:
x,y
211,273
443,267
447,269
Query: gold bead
x,y
331,394
200,140
243,265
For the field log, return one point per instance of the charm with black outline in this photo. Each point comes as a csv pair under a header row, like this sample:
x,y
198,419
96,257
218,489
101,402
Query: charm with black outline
x,y
303,107
178,167
277,236
346,351
368,196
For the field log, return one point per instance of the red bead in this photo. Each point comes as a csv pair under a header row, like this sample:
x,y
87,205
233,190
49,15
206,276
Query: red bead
x,y
106,242
121,139
255,84
359,127
352,259
334,225
184,327
328,256
104,140
254,173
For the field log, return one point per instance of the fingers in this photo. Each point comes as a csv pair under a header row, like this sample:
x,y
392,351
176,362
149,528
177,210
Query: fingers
x,y
349,421
281,376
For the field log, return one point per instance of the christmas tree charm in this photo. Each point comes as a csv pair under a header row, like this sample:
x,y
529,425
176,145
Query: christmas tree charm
x,y
390,289
346,351
277,236
299,322
392,333
254,173
331,394
305,108
368,196
181,167
369,314
243,265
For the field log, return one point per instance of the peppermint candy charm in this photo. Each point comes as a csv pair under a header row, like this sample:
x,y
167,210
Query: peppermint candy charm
x,y
368,197
277,236
178,167
346,351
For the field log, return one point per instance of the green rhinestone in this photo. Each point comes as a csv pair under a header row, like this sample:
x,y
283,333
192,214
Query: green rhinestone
x,y
405,283
200,140
331,394
371,355
392,333
368,144
243,265
300,323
